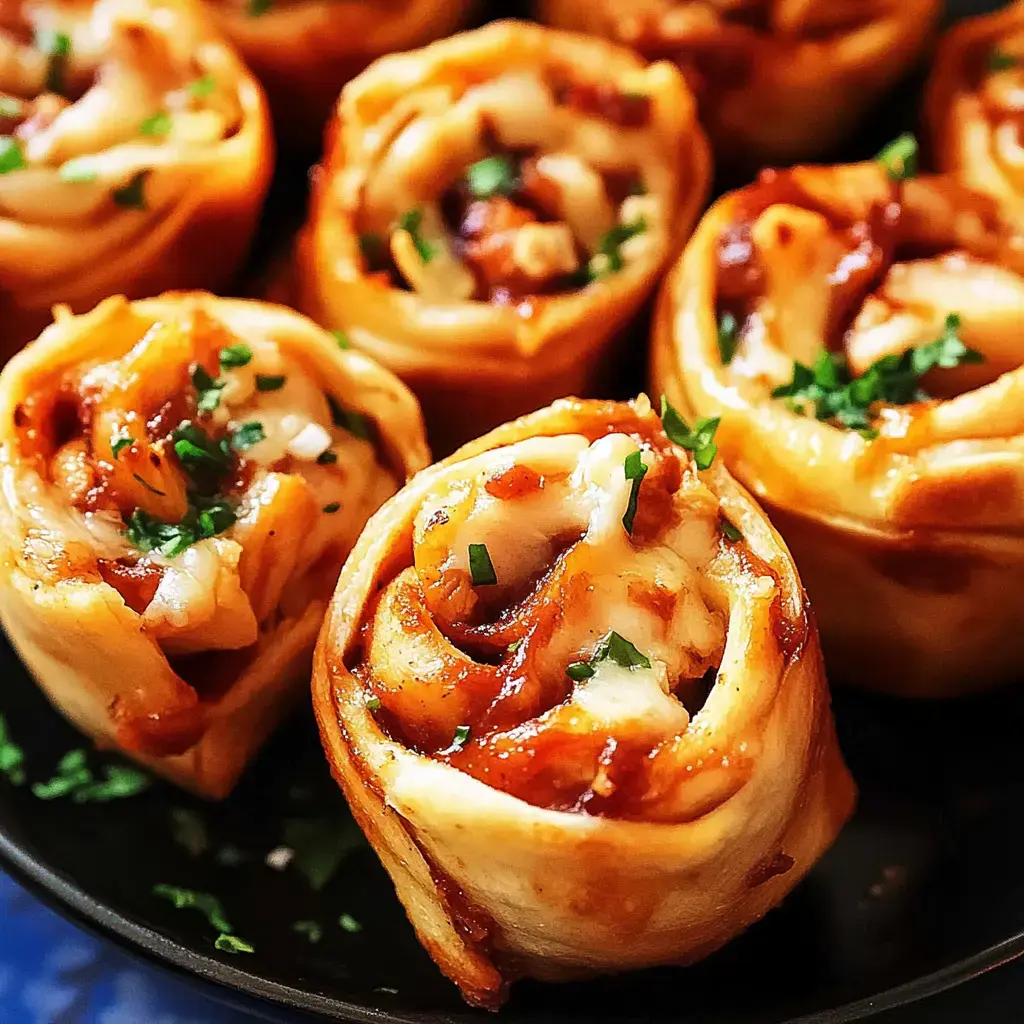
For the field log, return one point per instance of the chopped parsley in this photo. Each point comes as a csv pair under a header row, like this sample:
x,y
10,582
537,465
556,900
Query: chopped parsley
x,y
170,539
608,258
311,929
208,389
354,422
11,156
130,196
331,507
411,221
730,531
120,444
728,336
235,355
373,703
247,435
200,455
188,899
270,381
349,924
12,757
342,339
899,157
190,831
611,647
56,46
481,569
73,777
80,171
835,395
327,458
514,646
202,86
635,470
700,440
1000,60
320,845
492,176
232,944
459,739
157,124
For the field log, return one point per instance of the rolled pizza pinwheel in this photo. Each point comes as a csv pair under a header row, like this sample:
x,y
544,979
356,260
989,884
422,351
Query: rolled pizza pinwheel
x,y
180,481
135,152
304,51
860,335
571,689
974,108
776,80
492,212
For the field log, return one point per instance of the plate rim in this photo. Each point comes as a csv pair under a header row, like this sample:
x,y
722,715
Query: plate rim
x,y
221,980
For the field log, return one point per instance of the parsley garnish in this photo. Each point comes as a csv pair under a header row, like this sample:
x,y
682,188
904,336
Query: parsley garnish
x,y
209,389
1000,60
331,507
120,444
611,647
700,440
728,335
354,422
411,221
634,470
12,757
232,944
836,395
373,703
480,567
899,157
608,258
460,739
342,339
200,455
514,646
131,196
57,47
79,170
170,539
492,176
73,777
206,903
320,845
235,355
11,156
202,86
159,123
247,435
269,382
311,929
349,924
730,531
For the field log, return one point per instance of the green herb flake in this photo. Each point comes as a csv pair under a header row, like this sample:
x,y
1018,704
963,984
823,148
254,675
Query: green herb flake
x,y
411,221
481,569
899,157
11,156
131,196
580,670
232,944
188,899
611,647
634,470
202,86
331,507
207,389
189,831
700,440
235,355
198,452
121,782
56,46
257,8
79,171
158,124
460,738
120,444
349,924
728,336
320,846
608,257
269,382
373,703
354,422
311,929
730,531
342,339
205,518
12,757
514,646
1000,60
492,176
247,435
327,458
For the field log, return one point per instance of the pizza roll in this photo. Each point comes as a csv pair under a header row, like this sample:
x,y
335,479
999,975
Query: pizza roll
x,y
974,105
777,80
572,692
180,481
135,152
860,332
494,209
304,51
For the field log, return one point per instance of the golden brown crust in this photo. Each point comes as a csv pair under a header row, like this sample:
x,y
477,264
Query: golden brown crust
x,y
573,894
303,52
192,682
777,81
904,540
475,363
195,183
974,123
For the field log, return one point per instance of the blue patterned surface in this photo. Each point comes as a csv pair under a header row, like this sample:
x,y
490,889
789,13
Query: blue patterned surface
x,y
53,973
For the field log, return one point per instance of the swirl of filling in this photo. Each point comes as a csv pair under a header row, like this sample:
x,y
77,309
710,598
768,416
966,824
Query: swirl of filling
x,y
567,622
181,480
304,51
777,80
134,155
859,330
974,105
493,207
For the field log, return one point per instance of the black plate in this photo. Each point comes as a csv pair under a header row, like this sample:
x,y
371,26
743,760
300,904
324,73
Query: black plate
x,y
923,889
